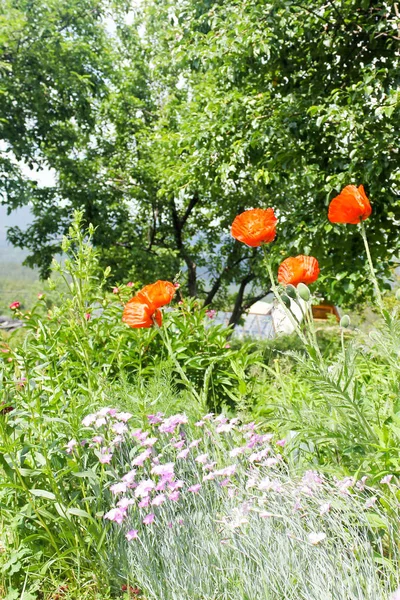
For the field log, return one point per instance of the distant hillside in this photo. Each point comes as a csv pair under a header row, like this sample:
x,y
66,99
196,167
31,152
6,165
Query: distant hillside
x,y
9,254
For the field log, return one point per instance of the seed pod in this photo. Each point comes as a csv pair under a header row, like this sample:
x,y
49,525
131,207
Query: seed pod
x,y
303,292
345,321
291,291
285,300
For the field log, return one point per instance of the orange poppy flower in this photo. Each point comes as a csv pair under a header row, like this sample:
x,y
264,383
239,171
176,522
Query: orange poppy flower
x,y
157,294
254,227
298,269
138,314
145,306
351,206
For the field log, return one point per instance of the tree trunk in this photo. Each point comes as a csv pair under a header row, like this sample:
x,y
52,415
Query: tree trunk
x,y
179,224
238,307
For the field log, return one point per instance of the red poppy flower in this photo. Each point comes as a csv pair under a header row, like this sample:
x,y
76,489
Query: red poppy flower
x,y
144,307
298,269
351,206
157,294
254,227
138,314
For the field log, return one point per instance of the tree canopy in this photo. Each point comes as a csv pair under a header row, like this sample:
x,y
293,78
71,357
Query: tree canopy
x,y
166,128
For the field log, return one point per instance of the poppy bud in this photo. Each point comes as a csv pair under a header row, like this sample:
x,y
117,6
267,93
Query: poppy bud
x,y
286,300
303,292
291,291
398,294
345,321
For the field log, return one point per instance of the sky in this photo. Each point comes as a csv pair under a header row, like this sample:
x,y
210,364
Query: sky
x,y
21,217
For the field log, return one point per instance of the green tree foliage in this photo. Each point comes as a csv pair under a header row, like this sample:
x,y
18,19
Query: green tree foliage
x,y
201,109
282,104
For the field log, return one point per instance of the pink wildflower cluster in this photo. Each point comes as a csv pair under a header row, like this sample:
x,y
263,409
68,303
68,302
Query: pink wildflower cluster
x,y
161,467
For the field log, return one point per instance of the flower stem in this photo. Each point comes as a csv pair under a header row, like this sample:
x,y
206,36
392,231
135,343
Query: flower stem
x,y
279,299
378,294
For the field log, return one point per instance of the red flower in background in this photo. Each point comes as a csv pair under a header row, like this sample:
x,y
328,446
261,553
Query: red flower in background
x,y
255,226
298,269
15,305
351,206
143,309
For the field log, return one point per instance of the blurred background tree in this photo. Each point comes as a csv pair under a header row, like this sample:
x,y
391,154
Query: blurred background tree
x,y
164,122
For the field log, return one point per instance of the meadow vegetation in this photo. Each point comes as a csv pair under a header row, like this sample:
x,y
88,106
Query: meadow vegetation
x,y
175,462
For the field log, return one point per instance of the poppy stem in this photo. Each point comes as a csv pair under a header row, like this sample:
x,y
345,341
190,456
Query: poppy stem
x,y
280,301
378,294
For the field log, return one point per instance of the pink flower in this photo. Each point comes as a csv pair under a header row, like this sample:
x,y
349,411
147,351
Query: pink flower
x,y
209,466
115,514
166,471
15,305
259,456
219,419
281,442
227,345
132,534
141,458
119,428
158,500
174,496
130,284
169,425
179,445
88,316
100,421
70,446
161,485
98,439
119,488
144,488
154,419
395,595
387,479
88,420
145,502
183,453
370,502
195,488
194,444
125,502
237,451
211,314
208,416
202,458
225,428
115,290
40,296
227,471
123,416
149,519
105,457
209,477
149,442
311,479
199,423
176,485
345,484
361,483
